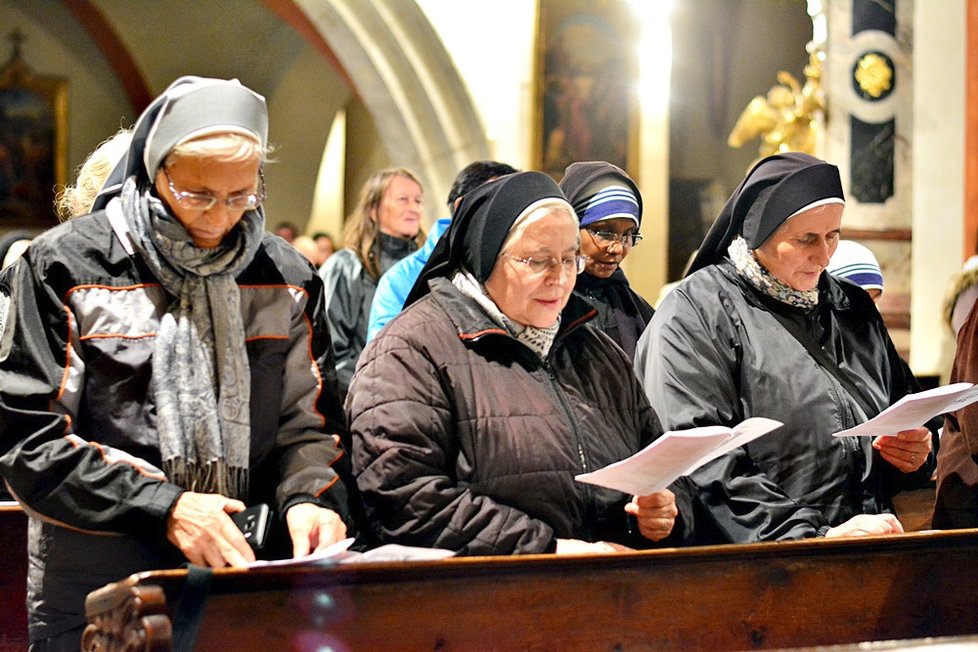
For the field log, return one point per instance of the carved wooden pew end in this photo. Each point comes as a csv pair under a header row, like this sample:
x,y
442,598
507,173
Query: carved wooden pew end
x,y
127,618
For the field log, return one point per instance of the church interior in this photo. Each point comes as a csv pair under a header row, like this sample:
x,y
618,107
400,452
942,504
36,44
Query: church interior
x,y
683,94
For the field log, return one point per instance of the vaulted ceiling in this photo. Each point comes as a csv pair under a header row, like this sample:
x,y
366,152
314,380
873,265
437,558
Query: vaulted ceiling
x,y
384,53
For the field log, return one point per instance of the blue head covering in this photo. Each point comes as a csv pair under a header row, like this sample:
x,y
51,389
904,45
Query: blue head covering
x,y
601,191
857,263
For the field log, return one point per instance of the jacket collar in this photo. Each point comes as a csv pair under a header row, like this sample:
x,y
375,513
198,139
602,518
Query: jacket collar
x,y
396,247
830,290
472,323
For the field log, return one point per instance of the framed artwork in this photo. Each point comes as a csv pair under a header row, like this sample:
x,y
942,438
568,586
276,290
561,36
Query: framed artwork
x,y
33,144
586,85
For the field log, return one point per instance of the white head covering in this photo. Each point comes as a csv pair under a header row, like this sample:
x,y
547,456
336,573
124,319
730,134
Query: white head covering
x,y
856,263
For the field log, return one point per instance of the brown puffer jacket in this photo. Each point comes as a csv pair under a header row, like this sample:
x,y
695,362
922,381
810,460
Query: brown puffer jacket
x,y
464,439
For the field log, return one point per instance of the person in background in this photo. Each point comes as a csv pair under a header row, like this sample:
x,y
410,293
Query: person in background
x,y
956,503
12,247
474,411
856,263
610,207
77,200
308,248
758,329
384,228
325,243
162,370
961,295
394,286
70,202
287,231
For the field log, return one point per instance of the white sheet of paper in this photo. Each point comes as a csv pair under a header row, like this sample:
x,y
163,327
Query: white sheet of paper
x,y
675,454
333,553
393,552
914,410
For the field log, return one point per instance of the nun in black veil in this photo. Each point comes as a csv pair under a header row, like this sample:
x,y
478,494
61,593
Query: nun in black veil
x,y
758,328
476,407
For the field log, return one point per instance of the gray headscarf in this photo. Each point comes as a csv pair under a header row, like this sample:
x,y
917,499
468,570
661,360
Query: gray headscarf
x,y
201,380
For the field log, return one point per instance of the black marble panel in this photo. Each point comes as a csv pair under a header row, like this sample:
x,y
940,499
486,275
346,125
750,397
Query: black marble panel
x,y
871,160
874,14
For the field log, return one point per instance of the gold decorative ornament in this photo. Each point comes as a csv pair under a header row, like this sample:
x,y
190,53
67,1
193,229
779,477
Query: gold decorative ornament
x,y
787,119
874,75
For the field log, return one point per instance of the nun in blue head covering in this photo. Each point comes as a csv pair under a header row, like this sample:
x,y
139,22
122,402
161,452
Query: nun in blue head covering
x,y
758,328
167,362
490,392
609,206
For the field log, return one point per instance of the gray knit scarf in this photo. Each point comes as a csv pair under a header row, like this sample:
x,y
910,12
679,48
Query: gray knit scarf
x,y
201,379
754,273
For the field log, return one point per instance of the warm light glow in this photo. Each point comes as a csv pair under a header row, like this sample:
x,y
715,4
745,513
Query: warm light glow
x,y
654,53
820,29
647,272
327,201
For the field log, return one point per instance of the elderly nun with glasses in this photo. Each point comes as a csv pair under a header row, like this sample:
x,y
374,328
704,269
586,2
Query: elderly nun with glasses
x,y
610,208
476,407
166,363
759,328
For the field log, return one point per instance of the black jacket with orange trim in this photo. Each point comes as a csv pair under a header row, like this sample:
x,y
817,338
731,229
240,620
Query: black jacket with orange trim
x,y
78,438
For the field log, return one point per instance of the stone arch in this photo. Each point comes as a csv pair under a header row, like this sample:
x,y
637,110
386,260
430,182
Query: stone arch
x,y
408,82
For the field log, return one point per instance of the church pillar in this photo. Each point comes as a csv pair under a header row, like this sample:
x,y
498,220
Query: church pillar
x,y
869,134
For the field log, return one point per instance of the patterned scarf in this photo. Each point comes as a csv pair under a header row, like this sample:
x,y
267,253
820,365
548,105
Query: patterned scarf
x,y
201,379
539,340
4,308
750,270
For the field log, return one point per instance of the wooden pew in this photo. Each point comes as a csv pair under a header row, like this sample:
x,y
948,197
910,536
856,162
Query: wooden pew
x,y
761,596
13,579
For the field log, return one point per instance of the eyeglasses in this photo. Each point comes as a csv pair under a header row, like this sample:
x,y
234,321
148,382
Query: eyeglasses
x,y
199,201
546,265
608,238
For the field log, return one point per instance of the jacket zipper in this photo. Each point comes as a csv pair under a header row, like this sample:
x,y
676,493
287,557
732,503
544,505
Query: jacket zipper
x,y
849,445
581,456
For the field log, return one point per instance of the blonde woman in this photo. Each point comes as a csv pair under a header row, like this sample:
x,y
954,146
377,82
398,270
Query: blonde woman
x,y
77,200
384,228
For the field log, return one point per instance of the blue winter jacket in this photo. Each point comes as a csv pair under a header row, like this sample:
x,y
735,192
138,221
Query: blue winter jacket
x,y
395,285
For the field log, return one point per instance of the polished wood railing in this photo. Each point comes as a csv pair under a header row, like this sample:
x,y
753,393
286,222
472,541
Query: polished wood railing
x,y
761,596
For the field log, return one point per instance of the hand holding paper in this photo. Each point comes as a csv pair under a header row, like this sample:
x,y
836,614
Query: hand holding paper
x,y
675,454
914,410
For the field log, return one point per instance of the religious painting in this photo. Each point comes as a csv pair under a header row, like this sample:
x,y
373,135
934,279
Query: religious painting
x,y
586,79
33,144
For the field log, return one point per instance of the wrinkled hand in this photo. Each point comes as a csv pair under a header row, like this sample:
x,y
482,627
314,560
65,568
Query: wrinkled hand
x,y
656,514
313,527
907,451
200,527
578,547
867,525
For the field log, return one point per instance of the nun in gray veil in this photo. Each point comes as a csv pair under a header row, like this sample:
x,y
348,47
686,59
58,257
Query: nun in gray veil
x,y
758,328
166,363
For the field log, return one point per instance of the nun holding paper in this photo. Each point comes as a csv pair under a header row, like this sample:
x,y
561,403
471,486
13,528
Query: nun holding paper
x,y
490,392
758,328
